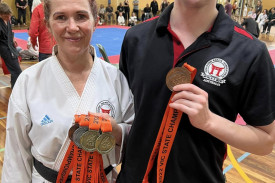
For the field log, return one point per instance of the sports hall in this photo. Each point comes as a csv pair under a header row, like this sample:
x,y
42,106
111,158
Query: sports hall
x,y
239,166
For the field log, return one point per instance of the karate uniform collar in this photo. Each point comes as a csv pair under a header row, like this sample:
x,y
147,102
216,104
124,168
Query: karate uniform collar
x,y
222,29
92,51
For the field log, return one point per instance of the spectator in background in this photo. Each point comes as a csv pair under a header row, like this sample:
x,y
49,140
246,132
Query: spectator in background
x,y
21,7
251,26
270,22
119,9
228,8
35,3
132,20
245,10
7,43
30,7
120,19
110,13
234,8
126,10
135,7
164,4
101,13
30,53
262,19
38,31
155,7
258,9
146,13
252,13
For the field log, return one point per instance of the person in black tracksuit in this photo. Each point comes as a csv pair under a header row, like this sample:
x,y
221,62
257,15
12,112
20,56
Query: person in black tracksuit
x,y
155,7
21,5
7,48
235,75
251,26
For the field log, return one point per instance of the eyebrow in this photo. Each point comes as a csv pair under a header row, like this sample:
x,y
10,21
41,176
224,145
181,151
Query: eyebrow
x,y
61,13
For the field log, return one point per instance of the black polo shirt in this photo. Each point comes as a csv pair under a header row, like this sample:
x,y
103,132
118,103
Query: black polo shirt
x,y
233,67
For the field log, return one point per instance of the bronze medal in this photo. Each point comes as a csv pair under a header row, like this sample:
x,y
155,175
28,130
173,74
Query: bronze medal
x,y
176,76
72,130
77,135
105,143
88,139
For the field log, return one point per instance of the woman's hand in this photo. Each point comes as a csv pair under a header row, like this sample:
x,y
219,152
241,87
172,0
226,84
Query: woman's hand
x,y
116,129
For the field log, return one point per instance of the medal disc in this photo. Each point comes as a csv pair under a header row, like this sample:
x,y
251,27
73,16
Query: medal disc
x,y
88,139
72,130
77,134
105,143
176,76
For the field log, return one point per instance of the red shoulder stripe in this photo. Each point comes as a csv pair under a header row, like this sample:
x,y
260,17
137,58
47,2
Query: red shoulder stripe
x,y
151,19
243,32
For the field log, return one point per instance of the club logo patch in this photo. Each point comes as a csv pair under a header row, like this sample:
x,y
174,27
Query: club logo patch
x,y
106,107
215,71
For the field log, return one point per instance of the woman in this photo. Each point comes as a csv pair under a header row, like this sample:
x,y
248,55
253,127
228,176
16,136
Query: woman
x,y
8,51
48,95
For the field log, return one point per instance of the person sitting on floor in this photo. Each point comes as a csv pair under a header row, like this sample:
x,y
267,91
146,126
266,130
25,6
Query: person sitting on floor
x,y
30,53
132,20
270,22
120,19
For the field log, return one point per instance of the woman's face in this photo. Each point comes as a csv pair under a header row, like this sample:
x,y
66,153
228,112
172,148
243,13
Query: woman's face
x,y
72,24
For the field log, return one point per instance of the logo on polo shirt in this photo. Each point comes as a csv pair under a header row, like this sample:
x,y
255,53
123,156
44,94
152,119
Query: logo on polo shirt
x,y
215,71
106,107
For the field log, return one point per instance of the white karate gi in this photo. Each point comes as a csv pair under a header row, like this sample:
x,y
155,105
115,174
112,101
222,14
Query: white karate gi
x,y
41,111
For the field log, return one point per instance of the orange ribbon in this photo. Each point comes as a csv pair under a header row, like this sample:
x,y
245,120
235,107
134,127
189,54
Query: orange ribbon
x,y
166,136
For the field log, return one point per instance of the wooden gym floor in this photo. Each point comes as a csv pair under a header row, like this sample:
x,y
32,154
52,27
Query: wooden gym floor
x,y
259,169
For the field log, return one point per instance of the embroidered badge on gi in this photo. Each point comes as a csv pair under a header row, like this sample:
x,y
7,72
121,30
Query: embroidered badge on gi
x,y
46,120
106,107
215,71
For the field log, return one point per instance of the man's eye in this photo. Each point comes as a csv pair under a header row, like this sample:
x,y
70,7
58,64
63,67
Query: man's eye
x,y
81,17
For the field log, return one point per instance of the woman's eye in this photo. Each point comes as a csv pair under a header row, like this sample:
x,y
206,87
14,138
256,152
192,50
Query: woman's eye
x,y
60,17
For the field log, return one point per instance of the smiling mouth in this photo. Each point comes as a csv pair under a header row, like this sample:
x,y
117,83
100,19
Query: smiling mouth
x,y
73,39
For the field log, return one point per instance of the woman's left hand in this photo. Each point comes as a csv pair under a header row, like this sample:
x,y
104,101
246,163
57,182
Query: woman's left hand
x,y
116,129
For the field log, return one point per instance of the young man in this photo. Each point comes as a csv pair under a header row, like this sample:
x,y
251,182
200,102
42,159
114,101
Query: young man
x,y
232,77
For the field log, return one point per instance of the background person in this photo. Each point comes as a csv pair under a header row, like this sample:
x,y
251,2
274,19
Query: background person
x,y
40,34
251,26
48,95
270,22
232,77
21,6
7,43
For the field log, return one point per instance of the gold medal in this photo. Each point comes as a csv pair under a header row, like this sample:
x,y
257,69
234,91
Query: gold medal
x,y
176,76
105,143
72,130
77,135
88,139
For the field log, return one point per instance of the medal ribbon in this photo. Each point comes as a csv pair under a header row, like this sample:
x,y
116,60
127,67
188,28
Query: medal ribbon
x,y
92,161
166,136
68,161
